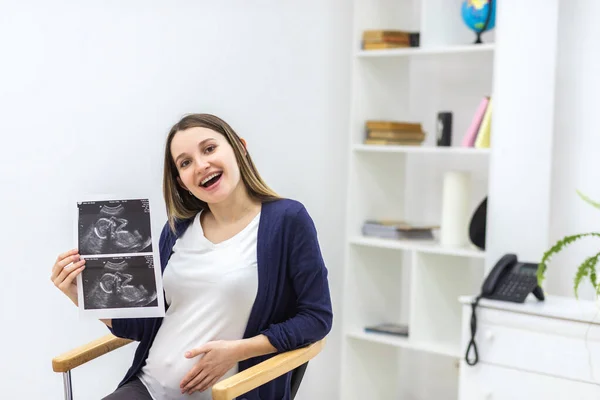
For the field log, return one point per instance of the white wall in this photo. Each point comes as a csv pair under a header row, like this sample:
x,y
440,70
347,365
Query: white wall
x,y
546,144
521,160
88,93
577,142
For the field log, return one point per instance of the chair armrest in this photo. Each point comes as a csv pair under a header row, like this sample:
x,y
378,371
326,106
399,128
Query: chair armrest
x,y
82,354
266,371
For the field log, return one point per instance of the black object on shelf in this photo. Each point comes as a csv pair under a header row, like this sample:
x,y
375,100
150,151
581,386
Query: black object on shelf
x,y
477,226
444,128
414,39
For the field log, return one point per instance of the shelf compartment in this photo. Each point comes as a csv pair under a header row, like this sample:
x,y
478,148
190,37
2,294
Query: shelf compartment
x,y
437,284
376,189
371,371
418,246
378,281
376,370
406,343
456,150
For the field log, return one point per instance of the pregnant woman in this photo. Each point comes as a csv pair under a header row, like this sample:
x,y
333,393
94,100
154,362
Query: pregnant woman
x,y
243,273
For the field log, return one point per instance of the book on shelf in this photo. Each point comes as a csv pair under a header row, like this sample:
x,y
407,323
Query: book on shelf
x,y
396,135
389,328
392,229
478,134
382,132
483,136
389,125
393,142
389,39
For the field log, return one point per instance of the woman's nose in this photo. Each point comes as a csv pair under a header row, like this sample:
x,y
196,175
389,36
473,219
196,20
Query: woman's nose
x,y
202,164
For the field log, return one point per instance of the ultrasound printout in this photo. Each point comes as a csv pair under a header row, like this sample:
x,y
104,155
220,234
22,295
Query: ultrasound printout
x,y
122,276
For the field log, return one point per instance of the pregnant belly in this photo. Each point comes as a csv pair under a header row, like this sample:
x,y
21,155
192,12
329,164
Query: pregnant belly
x,y
163,379
166,366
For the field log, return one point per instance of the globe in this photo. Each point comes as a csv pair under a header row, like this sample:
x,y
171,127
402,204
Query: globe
x,y
479,16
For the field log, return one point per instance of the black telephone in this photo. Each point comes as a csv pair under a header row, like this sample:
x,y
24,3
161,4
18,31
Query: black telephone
x,y
509,280
512,280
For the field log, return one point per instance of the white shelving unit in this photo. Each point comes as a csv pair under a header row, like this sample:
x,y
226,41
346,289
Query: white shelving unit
x,y
412,282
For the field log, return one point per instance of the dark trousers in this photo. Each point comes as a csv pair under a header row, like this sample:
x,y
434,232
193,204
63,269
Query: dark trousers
x,y
132,390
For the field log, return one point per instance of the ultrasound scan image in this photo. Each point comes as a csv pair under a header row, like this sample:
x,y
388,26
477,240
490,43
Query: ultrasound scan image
x,y
119,282
114,227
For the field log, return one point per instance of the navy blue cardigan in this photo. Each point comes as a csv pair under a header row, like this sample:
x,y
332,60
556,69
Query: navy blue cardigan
x,y
292,306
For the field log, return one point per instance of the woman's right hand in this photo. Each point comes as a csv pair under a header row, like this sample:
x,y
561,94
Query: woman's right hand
x,y
64,273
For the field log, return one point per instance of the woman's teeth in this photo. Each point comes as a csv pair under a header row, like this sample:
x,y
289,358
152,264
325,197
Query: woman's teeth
x,y
206,180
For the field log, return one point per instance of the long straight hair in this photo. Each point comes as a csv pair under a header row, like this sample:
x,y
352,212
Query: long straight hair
x,y
180,203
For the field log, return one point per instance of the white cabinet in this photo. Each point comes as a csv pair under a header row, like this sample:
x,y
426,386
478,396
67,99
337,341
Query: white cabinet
x,y
548,349
489,382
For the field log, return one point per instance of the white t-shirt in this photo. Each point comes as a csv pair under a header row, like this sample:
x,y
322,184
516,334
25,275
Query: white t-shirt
x,y
210,289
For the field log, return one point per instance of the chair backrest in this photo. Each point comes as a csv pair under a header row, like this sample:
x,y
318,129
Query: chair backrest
x,y
297,375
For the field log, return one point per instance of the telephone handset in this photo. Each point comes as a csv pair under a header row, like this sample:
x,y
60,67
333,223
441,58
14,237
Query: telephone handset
x,y
509,280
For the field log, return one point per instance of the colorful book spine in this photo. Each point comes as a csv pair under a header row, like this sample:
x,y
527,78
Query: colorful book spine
x,y
471,135
485,130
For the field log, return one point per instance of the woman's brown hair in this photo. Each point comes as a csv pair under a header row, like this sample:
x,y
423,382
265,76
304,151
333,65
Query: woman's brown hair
x,y
183,205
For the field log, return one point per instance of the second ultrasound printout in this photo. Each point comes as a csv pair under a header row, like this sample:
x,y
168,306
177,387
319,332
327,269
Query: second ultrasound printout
x,y
122,276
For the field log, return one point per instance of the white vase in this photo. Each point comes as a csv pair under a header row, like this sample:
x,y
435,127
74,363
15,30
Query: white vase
x,y
454,227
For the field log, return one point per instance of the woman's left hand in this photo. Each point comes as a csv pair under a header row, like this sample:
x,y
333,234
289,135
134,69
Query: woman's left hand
x,y
218,358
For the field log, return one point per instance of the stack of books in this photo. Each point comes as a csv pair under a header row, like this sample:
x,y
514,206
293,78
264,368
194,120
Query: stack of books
x,y
390,229
394,133
389,328
389,39
480,131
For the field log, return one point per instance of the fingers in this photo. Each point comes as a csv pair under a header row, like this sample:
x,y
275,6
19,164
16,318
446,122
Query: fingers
x,y
185,382
203,387
189,376
68,265
66,254
197,351
63,260
76,263
202,377
66,283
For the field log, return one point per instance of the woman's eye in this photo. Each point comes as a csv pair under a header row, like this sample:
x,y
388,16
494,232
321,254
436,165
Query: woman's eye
x,y
183,163
209,149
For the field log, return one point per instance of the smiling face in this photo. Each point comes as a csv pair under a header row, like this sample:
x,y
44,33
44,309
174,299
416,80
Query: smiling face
x,y
225,154
206,164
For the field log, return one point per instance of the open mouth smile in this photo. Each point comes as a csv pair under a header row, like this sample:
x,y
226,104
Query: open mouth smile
x,y
211,180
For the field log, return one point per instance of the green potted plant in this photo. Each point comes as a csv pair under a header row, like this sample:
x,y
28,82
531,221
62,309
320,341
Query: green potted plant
x,y
587,269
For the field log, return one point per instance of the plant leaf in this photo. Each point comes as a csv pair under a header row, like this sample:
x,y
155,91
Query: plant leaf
x,y
588,200
557,248
588,267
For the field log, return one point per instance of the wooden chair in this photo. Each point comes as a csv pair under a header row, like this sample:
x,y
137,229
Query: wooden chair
x,y
227,389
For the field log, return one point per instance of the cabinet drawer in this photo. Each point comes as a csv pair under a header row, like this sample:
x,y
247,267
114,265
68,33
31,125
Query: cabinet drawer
x,y
487,382
560,350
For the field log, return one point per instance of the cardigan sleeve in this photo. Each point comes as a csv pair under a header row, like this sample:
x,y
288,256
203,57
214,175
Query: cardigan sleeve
x,y
128,328
308,274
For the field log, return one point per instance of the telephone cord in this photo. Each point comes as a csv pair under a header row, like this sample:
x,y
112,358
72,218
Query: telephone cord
x,y
472,344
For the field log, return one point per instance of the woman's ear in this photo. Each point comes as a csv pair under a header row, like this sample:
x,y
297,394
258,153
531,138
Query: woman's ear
x,y
245,146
